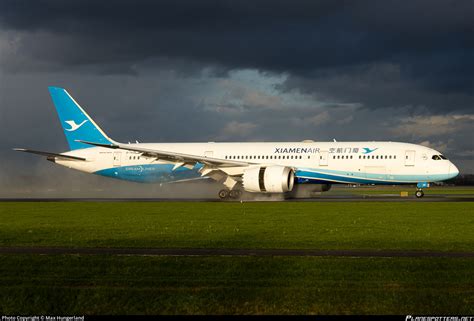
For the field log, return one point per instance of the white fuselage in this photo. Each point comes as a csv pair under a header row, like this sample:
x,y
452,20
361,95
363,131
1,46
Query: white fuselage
x,y
313,162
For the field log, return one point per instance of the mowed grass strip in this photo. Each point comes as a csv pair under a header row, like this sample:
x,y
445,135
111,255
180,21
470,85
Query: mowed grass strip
x,y
397,226
60,285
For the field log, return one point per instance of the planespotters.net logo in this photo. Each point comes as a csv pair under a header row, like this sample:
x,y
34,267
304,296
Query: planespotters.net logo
x,y
438,318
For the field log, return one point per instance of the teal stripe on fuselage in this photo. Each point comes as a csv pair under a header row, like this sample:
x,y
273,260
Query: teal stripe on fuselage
x,y
365,178
150,173
162,173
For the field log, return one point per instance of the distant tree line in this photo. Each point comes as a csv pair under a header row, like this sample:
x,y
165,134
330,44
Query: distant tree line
x,y
463,179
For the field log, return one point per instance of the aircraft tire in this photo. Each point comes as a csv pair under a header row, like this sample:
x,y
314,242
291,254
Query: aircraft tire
x,y
223,194
235,194
419,193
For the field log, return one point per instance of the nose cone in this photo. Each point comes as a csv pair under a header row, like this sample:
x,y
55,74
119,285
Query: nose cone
x,y
453,170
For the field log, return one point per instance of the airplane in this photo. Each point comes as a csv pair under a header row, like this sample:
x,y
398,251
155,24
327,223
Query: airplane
x,y
267,167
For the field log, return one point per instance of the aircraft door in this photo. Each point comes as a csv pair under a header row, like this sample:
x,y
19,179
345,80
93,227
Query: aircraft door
x,y
410,158
209,153
117,158
323,158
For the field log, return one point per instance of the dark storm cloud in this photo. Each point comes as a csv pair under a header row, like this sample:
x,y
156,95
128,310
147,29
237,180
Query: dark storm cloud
x,y
430,40
377,54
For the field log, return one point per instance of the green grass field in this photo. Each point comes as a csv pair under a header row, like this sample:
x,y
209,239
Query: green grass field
x,y
414,226
231,285
106,284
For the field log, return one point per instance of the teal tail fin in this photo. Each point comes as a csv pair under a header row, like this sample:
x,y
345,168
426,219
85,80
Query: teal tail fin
x,y
76,124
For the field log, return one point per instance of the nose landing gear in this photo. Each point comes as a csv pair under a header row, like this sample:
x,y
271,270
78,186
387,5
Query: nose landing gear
x,y
419,192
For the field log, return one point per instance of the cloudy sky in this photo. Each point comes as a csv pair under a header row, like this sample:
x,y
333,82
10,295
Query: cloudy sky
x,y
178,71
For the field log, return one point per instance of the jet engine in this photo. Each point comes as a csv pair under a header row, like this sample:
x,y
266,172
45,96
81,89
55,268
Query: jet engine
x,y
268,179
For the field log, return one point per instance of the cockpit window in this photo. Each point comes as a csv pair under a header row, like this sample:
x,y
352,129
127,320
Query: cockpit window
x,y
438,157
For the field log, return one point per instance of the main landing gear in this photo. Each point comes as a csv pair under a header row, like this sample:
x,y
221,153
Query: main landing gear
x,y
233,194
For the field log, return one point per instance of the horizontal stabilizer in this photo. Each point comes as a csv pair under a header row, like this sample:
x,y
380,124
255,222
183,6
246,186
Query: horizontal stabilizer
x,y
113,146
48,154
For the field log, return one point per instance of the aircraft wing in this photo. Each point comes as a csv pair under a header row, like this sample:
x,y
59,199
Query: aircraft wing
x,y
48,154
173,156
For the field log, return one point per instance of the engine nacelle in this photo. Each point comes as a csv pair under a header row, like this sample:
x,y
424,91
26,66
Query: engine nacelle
x,y
268,179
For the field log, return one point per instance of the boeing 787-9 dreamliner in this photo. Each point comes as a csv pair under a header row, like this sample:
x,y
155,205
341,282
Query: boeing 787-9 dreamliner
x,y
269,167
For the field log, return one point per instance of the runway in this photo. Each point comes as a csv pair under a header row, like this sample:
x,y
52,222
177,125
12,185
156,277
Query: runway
x,y
325,198
228,252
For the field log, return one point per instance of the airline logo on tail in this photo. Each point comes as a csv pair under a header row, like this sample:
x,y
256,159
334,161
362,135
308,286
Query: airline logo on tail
x,y
73,125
